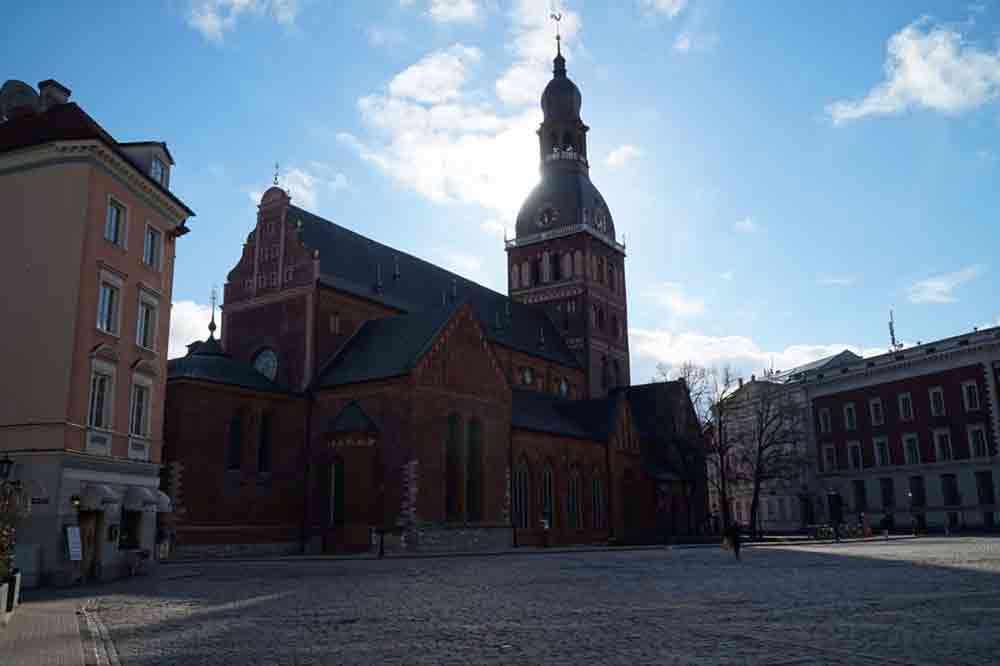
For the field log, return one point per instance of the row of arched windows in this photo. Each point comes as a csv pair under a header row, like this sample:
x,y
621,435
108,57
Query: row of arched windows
x,y
598,320
557,266
612,373
535,508
464,470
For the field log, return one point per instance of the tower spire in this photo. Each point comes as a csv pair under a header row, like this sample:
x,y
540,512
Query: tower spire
x,y
211,324
559,64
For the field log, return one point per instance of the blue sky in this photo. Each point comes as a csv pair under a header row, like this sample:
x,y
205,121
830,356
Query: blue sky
x,y
783,173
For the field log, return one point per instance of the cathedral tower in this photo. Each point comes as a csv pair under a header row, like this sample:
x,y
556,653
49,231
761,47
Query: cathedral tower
x,y
564,256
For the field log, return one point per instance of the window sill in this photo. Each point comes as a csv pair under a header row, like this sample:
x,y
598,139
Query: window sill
x,y
146,350
116,336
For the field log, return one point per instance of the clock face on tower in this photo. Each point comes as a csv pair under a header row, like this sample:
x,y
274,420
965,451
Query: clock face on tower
x,y
266,363
547,216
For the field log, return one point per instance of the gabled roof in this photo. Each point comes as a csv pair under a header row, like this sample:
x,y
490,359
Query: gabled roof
x,y
543,412
845,357
386,347
349,261
353,419
207,362
654,407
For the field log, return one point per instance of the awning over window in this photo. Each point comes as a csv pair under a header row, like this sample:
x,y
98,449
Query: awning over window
x,y
164,503
138,498
96,496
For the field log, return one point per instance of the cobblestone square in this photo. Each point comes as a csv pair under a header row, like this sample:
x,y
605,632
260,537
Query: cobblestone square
x,y
923,601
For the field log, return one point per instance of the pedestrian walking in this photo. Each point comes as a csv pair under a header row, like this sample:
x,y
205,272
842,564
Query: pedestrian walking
x,y
733,535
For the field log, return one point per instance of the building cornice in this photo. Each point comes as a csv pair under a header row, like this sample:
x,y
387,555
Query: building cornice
x,y
562,232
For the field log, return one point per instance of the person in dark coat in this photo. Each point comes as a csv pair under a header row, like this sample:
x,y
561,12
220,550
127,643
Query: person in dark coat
x,y
733,534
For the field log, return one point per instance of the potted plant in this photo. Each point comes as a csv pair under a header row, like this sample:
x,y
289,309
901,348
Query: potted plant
x,y
14,504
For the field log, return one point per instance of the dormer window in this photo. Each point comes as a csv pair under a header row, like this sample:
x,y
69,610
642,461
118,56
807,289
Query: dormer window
x,y
157,171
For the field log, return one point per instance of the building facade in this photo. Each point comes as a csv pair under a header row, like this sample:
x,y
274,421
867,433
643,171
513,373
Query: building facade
x,y
429,408
94,227
910,437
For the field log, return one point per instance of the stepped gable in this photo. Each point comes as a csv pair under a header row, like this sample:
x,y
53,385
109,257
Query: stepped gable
x,y
348,262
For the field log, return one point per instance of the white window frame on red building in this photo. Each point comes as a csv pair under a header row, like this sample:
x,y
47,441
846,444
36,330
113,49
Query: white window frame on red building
x,y
881,411
965,396
937,390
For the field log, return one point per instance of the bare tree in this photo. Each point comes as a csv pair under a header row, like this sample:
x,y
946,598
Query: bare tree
x,y
696,378
766,430
720,458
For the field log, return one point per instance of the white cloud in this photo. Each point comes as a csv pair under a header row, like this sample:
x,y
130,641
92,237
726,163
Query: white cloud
x,y
671,296
742,353
454,11
493,226
682,43
214,18
384,36
622,154
466,265
929,67
304,184
836,281
728,275
436,78
669,7
189,322
746,226
533,49
986,155
940,288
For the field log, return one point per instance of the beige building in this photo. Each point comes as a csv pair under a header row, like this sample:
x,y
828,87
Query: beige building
x,y
91,229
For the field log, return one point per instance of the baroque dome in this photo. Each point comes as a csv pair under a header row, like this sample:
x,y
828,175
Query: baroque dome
x,y
561,99
564,198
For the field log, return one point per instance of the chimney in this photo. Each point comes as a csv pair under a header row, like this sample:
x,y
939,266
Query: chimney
x,y
52,93
740,379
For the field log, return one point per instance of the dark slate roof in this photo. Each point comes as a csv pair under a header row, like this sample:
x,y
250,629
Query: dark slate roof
x,y
543,412
386,347
353,419
66,122
654,406
845,357
207,362
348,262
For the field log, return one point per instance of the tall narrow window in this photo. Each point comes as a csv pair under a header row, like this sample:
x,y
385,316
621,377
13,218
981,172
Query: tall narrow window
x,y
522,495
151,248
235,449
970,394
573,497
850,417
860,496
888,491
881,451
474,471
157,171
911,449
937,401
942,445
139,412
977,441
949,489
555,269
875,409
264,444
854,454
824,420
596,502
905,407
453,461
100,400
547,513
114,223
107,308
145,332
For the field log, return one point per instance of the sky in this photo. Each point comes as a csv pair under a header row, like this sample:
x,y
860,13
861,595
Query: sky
x,y
783,174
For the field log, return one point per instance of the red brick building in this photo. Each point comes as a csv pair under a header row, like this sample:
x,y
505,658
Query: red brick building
x,y
386,393
911,436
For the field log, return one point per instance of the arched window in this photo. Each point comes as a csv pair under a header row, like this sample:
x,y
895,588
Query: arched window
x,y
522,495
547,497
264,444
567,266
234,452
555,270
596,502
578,263
515,277
474,471
573,497
453,468
525,274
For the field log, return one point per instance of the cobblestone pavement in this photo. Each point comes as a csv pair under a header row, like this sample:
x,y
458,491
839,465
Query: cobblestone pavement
x,y
926,601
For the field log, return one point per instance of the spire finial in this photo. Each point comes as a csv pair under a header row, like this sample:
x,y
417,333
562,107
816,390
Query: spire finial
x,y
557,17
275,173
211,324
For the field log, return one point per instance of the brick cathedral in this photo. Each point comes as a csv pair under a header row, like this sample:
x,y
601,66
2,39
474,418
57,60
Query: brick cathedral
x,y
357,388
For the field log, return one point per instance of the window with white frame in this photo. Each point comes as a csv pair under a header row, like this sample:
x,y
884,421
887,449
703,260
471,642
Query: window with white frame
x,y
108,305
977,441
101,397
158,171
854,455
824,420
911,449
145,331
905,401
152,247
942,445
829,458
138,418
881,446
850,417
937,401
970,396
115,223
875,411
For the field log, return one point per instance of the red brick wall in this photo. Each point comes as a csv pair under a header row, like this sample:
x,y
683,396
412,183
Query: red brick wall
x,y
280,325
349,312
923,423
547,373
241,506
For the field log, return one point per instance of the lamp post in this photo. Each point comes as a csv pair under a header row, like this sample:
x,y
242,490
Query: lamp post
x,y
913,515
